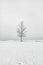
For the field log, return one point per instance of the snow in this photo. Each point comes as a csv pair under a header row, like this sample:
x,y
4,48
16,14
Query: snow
x,y
26,53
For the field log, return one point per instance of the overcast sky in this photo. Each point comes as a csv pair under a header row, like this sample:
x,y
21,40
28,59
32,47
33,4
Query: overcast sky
x,y
12,12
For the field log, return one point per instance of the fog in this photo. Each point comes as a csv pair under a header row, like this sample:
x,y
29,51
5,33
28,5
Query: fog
x,y
12,12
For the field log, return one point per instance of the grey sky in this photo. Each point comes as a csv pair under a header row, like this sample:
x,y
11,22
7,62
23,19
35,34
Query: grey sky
x,y
12,12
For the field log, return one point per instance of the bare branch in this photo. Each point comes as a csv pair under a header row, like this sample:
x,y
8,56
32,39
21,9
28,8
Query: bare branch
x,y
21,31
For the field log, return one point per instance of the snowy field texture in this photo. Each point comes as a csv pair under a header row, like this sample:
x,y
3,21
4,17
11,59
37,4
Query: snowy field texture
x,y
17,53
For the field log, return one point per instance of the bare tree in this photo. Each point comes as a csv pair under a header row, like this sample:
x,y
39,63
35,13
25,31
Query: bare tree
x,y
21,31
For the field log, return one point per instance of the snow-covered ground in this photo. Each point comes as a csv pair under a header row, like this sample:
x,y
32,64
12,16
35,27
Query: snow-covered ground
x,y
26,53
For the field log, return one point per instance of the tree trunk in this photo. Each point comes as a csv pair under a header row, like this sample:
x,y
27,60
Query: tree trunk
x,y
21,39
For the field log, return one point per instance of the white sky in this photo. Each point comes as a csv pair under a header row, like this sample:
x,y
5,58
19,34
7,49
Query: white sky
x,y
12,12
